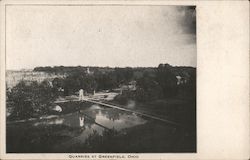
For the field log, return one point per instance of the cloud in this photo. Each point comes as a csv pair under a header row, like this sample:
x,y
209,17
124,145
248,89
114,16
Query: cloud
x,y
102,36
188,19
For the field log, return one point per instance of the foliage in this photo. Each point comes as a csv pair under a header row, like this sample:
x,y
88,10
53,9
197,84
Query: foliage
x,y
123,75
148,88
167,80
157,84
29,99
106,81
75,82
90,82
151,82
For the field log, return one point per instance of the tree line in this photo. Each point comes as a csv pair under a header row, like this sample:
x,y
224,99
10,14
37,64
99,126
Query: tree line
x,y
33,99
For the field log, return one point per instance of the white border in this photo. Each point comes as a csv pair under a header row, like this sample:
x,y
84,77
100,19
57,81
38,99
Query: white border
x,y
222,80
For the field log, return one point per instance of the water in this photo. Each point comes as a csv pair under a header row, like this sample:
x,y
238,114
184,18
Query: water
x,y
107,118
95,129
92,119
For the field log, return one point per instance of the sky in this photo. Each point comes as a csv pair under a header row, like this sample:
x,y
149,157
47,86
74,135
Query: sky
x,y
114,36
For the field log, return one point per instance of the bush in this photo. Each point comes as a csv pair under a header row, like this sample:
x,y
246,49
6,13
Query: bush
x,y
30,99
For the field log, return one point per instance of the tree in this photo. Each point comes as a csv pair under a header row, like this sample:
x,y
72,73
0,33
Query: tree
x,y
75,82
58,83
167,80
123,75
106,81
148,88
30,99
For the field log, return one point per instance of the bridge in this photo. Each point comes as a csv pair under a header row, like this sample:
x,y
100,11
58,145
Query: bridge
x,y
94,101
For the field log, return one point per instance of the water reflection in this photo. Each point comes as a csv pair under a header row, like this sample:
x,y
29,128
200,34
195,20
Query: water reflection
x,y
81,119
113,119
131,104
93,119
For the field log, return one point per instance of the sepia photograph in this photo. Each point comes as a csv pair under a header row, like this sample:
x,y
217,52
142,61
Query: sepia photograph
x,y
101,79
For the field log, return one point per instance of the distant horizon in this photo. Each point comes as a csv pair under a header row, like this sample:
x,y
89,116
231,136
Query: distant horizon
x,y
31,68
97,66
